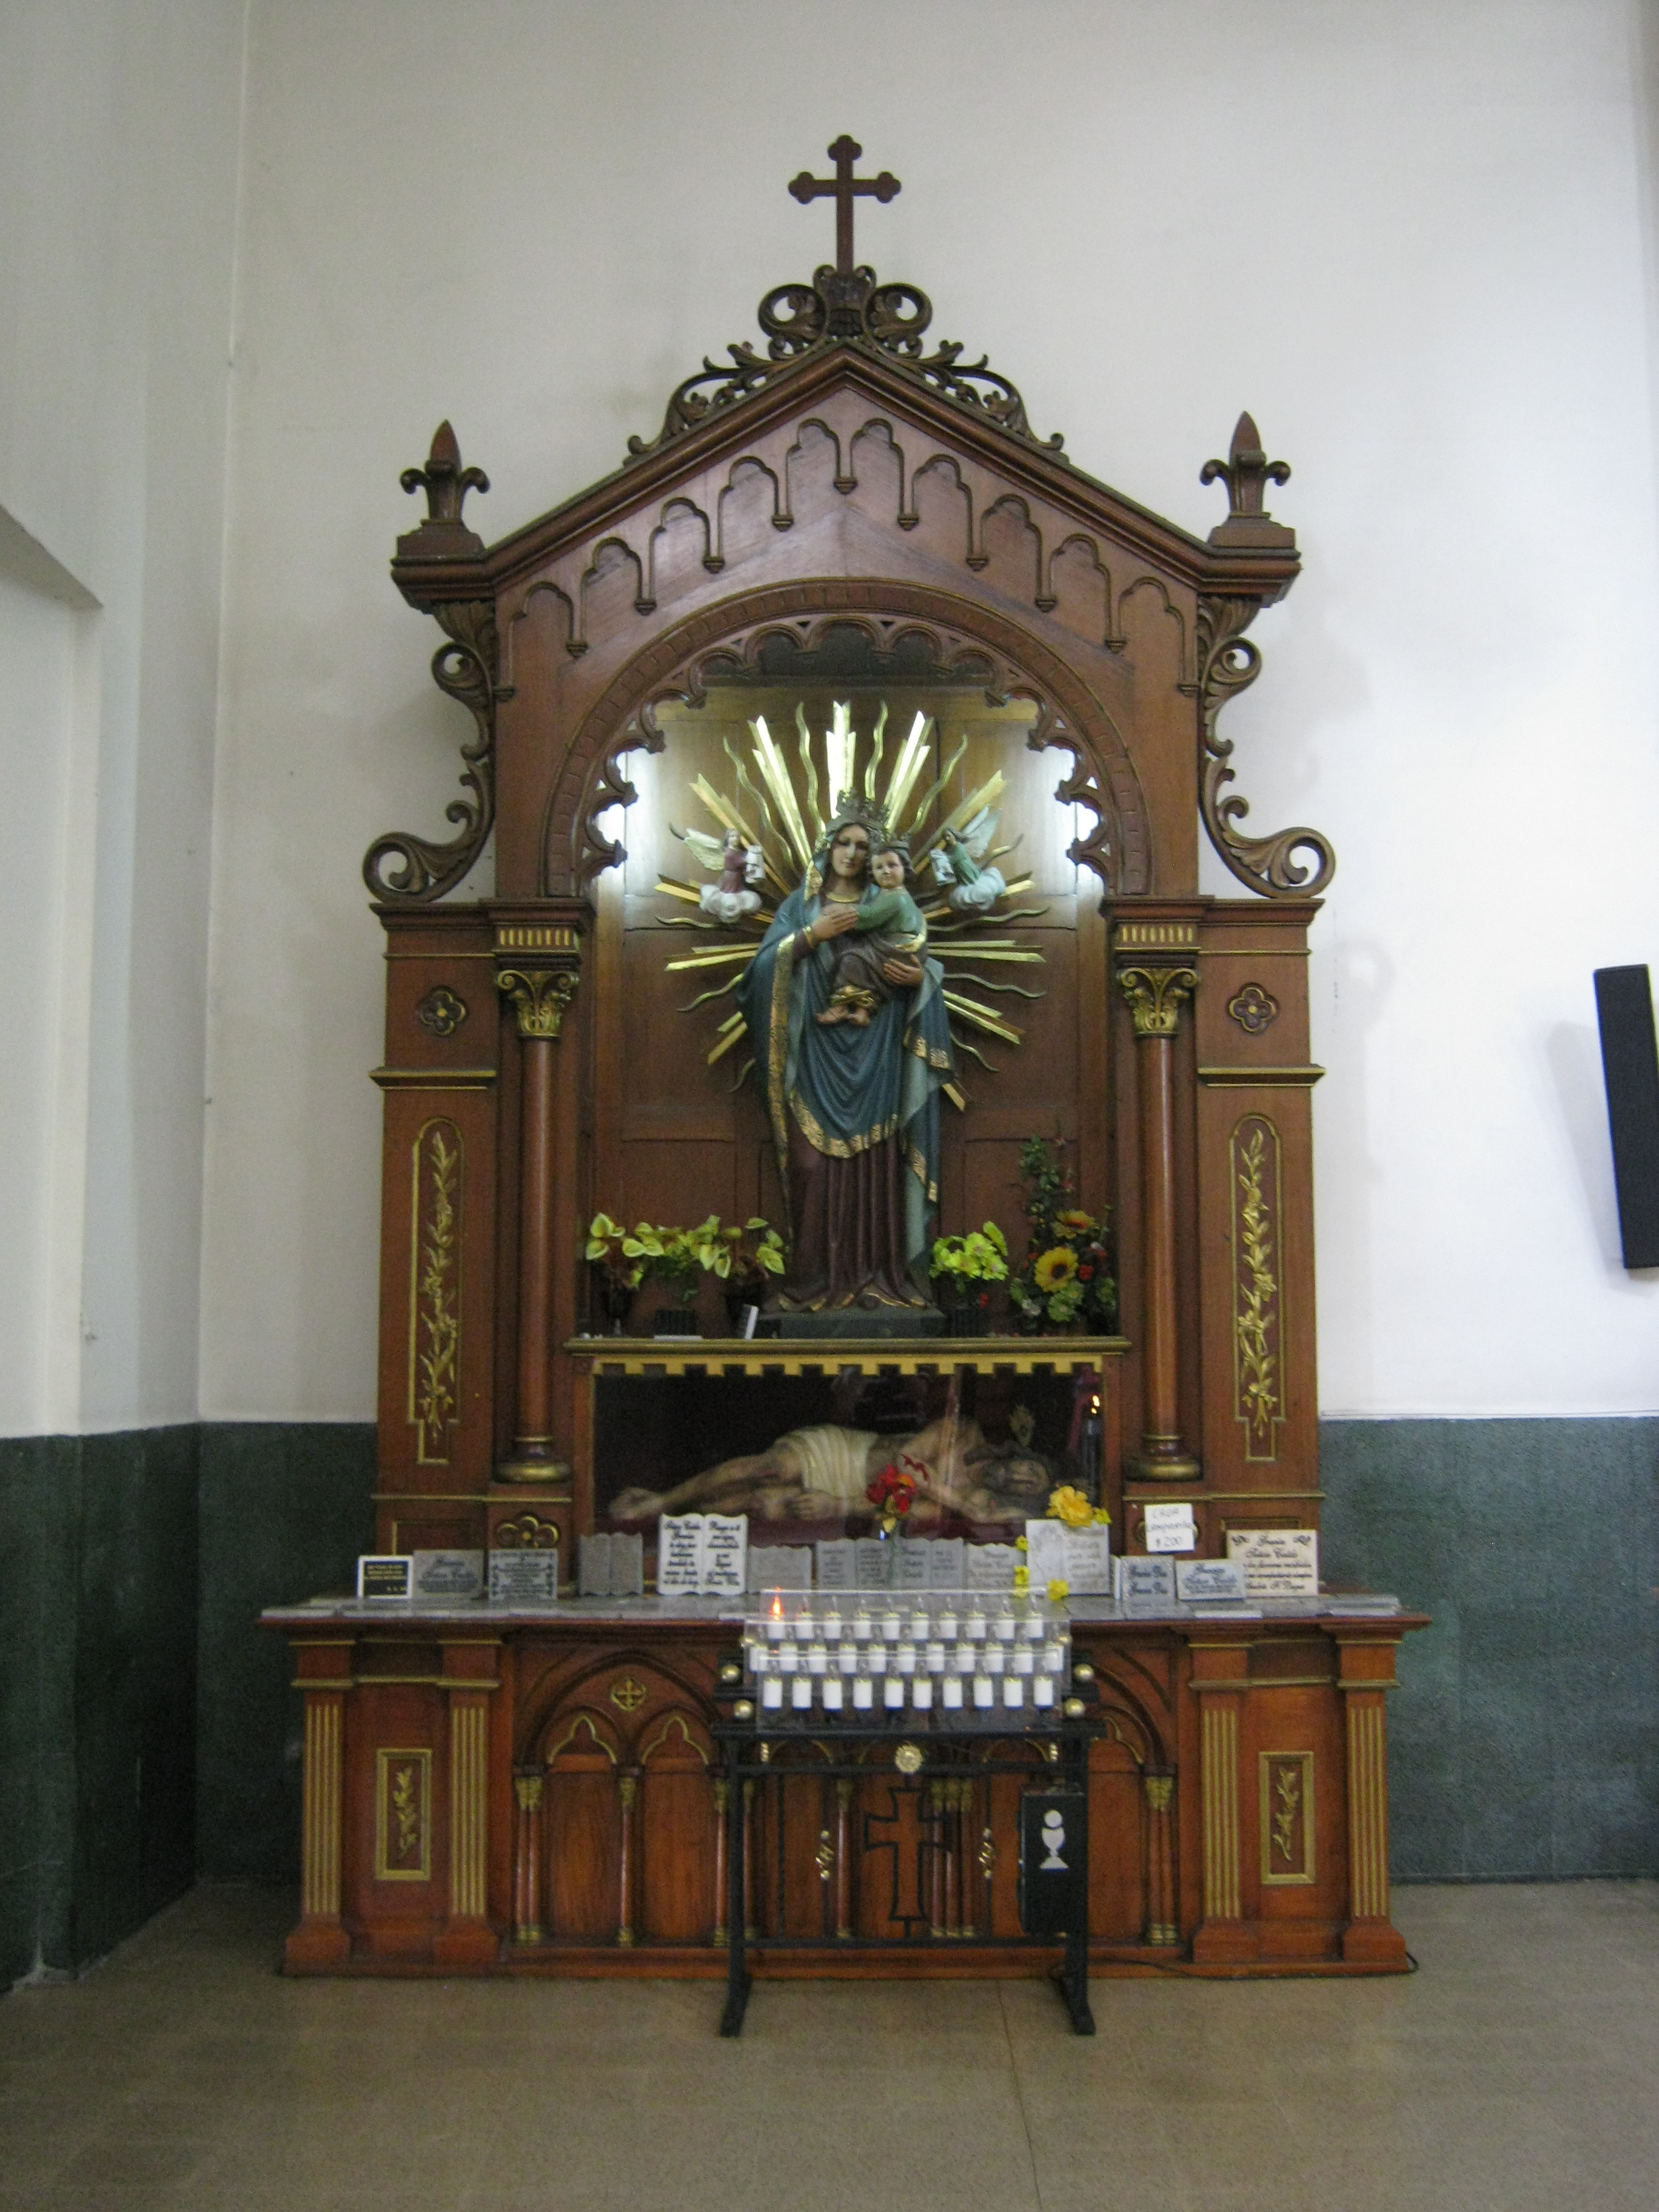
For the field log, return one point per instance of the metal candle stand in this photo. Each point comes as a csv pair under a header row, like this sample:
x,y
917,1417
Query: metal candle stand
x,y
926,1748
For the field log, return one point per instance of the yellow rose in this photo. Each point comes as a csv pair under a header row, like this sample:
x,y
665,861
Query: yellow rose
x,y
1071,1506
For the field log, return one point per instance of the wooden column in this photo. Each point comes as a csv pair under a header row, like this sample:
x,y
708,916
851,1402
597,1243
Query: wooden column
x,y
1161,1925
527,1860
1367,1674
468,1936
538,966
1220,1672
628,1789
1157,980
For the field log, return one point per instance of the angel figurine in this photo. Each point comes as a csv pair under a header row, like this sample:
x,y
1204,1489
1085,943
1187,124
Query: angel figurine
x,y
956,858
741,868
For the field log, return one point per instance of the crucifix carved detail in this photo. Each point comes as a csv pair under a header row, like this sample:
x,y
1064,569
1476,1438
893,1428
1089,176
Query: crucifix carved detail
x,y
843,187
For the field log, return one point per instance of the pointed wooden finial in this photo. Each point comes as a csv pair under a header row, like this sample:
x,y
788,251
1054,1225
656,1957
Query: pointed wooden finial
x,y
443,535
1247,472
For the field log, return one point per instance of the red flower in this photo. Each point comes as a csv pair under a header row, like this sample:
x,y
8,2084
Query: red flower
x,y
1084,1273
892,1491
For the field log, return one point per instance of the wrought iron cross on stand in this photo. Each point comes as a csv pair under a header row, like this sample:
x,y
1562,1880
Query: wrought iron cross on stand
x,y
843,188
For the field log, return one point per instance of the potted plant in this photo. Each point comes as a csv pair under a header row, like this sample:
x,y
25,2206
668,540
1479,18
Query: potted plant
x,y
1066,1282
673,1259
745,1257
616,1277
967,1266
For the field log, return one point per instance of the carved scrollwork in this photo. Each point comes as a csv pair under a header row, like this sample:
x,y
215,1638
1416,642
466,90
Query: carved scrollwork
x,y
844,309
1230,663
464,669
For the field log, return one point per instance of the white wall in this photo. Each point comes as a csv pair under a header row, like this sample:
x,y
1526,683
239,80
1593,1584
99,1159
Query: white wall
x,y
1408,235
118,133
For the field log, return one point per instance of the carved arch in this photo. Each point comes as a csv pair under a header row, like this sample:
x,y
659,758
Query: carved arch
x,y
961,635
559,1697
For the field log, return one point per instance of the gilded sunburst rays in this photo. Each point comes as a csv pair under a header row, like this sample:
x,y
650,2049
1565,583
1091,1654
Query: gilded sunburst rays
x,y
785,792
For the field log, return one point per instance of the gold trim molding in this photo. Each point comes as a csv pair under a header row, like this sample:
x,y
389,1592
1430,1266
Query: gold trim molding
x,y
437,1165
833,1355
1254,1163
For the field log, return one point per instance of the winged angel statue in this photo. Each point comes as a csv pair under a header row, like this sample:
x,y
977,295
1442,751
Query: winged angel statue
x,y
856,918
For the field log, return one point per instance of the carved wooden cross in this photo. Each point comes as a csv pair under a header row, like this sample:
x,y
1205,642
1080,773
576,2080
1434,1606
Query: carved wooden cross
x,y
843,188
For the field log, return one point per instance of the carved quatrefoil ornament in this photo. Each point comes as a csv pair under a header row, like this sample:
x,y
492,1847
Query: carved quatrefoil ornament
x,y
1253,1009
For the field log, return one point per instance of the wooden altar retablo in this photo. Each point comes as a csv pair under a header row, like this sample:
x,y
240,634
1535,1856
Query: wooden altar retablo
x,y
845,583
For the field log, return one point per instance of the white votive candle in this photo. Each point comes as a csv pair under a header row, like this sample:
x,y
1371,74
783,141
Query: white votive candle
x,y
905,1658
774,1628
864,1691
936,1658
1023,1662
950,1693
876,1659
861,1627
996,1660
832,1694
1013,1691
975,1626
772,1693
892,1628
800,1694
1052,1659
922,1693
1032,1628
965,1659
947,1623
817,1659
789,1659
805,1628
1005,1628
892,1694
847,1659
832,1624
985,1691
919,1625
1042,1691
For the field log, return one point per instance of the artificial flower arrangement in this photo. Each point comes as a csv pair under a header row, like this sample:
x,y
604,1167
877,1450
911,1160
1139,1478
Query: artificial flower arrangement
x,y
1071,1505
1066,1280
892,1492
969,1265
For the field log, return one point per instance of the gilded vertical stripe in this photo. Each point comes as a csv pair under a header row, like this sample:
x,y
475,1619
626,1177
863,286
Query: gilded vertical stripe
x,y
320,1826
467,1811
1368,1811
1220,1743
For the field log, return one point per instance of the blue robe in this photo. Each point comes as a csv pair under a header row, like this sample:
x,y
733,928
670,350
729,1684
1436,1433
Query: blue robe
x,y
848,1090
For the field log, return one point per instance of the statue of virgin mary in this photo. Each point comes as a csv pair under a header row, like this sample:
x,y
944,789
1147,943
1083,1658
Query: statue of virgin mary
x,y
853,1099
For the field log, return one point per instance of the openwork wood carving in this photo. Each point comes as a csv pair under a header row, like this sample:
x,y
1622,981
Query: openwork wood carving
x,y
406,869
1118,847
1230,663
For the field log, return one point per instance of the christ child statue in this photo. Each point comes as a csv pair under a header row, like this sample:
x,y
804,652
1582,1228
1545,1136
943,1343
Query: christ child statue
x,y
889,926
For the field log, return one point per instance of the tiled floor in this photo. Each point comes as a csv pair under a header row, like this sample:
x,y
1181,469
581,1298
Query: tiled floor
x,y
1519,2069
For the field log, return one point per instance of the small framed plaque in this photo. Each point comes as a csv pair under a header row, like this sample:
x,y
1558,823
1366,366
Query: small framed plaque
x,y
524,1577
387,1576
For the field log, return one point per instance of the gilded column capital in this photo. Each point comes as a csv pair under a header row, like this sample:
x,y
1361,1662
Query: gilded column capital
x,y
539,996
1156,996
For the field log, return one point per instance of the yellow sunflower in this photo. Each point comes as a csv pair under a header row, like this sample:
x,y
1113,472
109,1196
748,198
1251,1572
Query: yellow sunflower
x,y
1074,1223
1055,1268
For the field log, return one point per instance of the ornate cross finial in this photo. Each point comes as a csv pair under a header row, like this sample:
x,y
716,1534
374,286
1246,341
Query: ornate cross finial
x,y
843,188
1247,472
